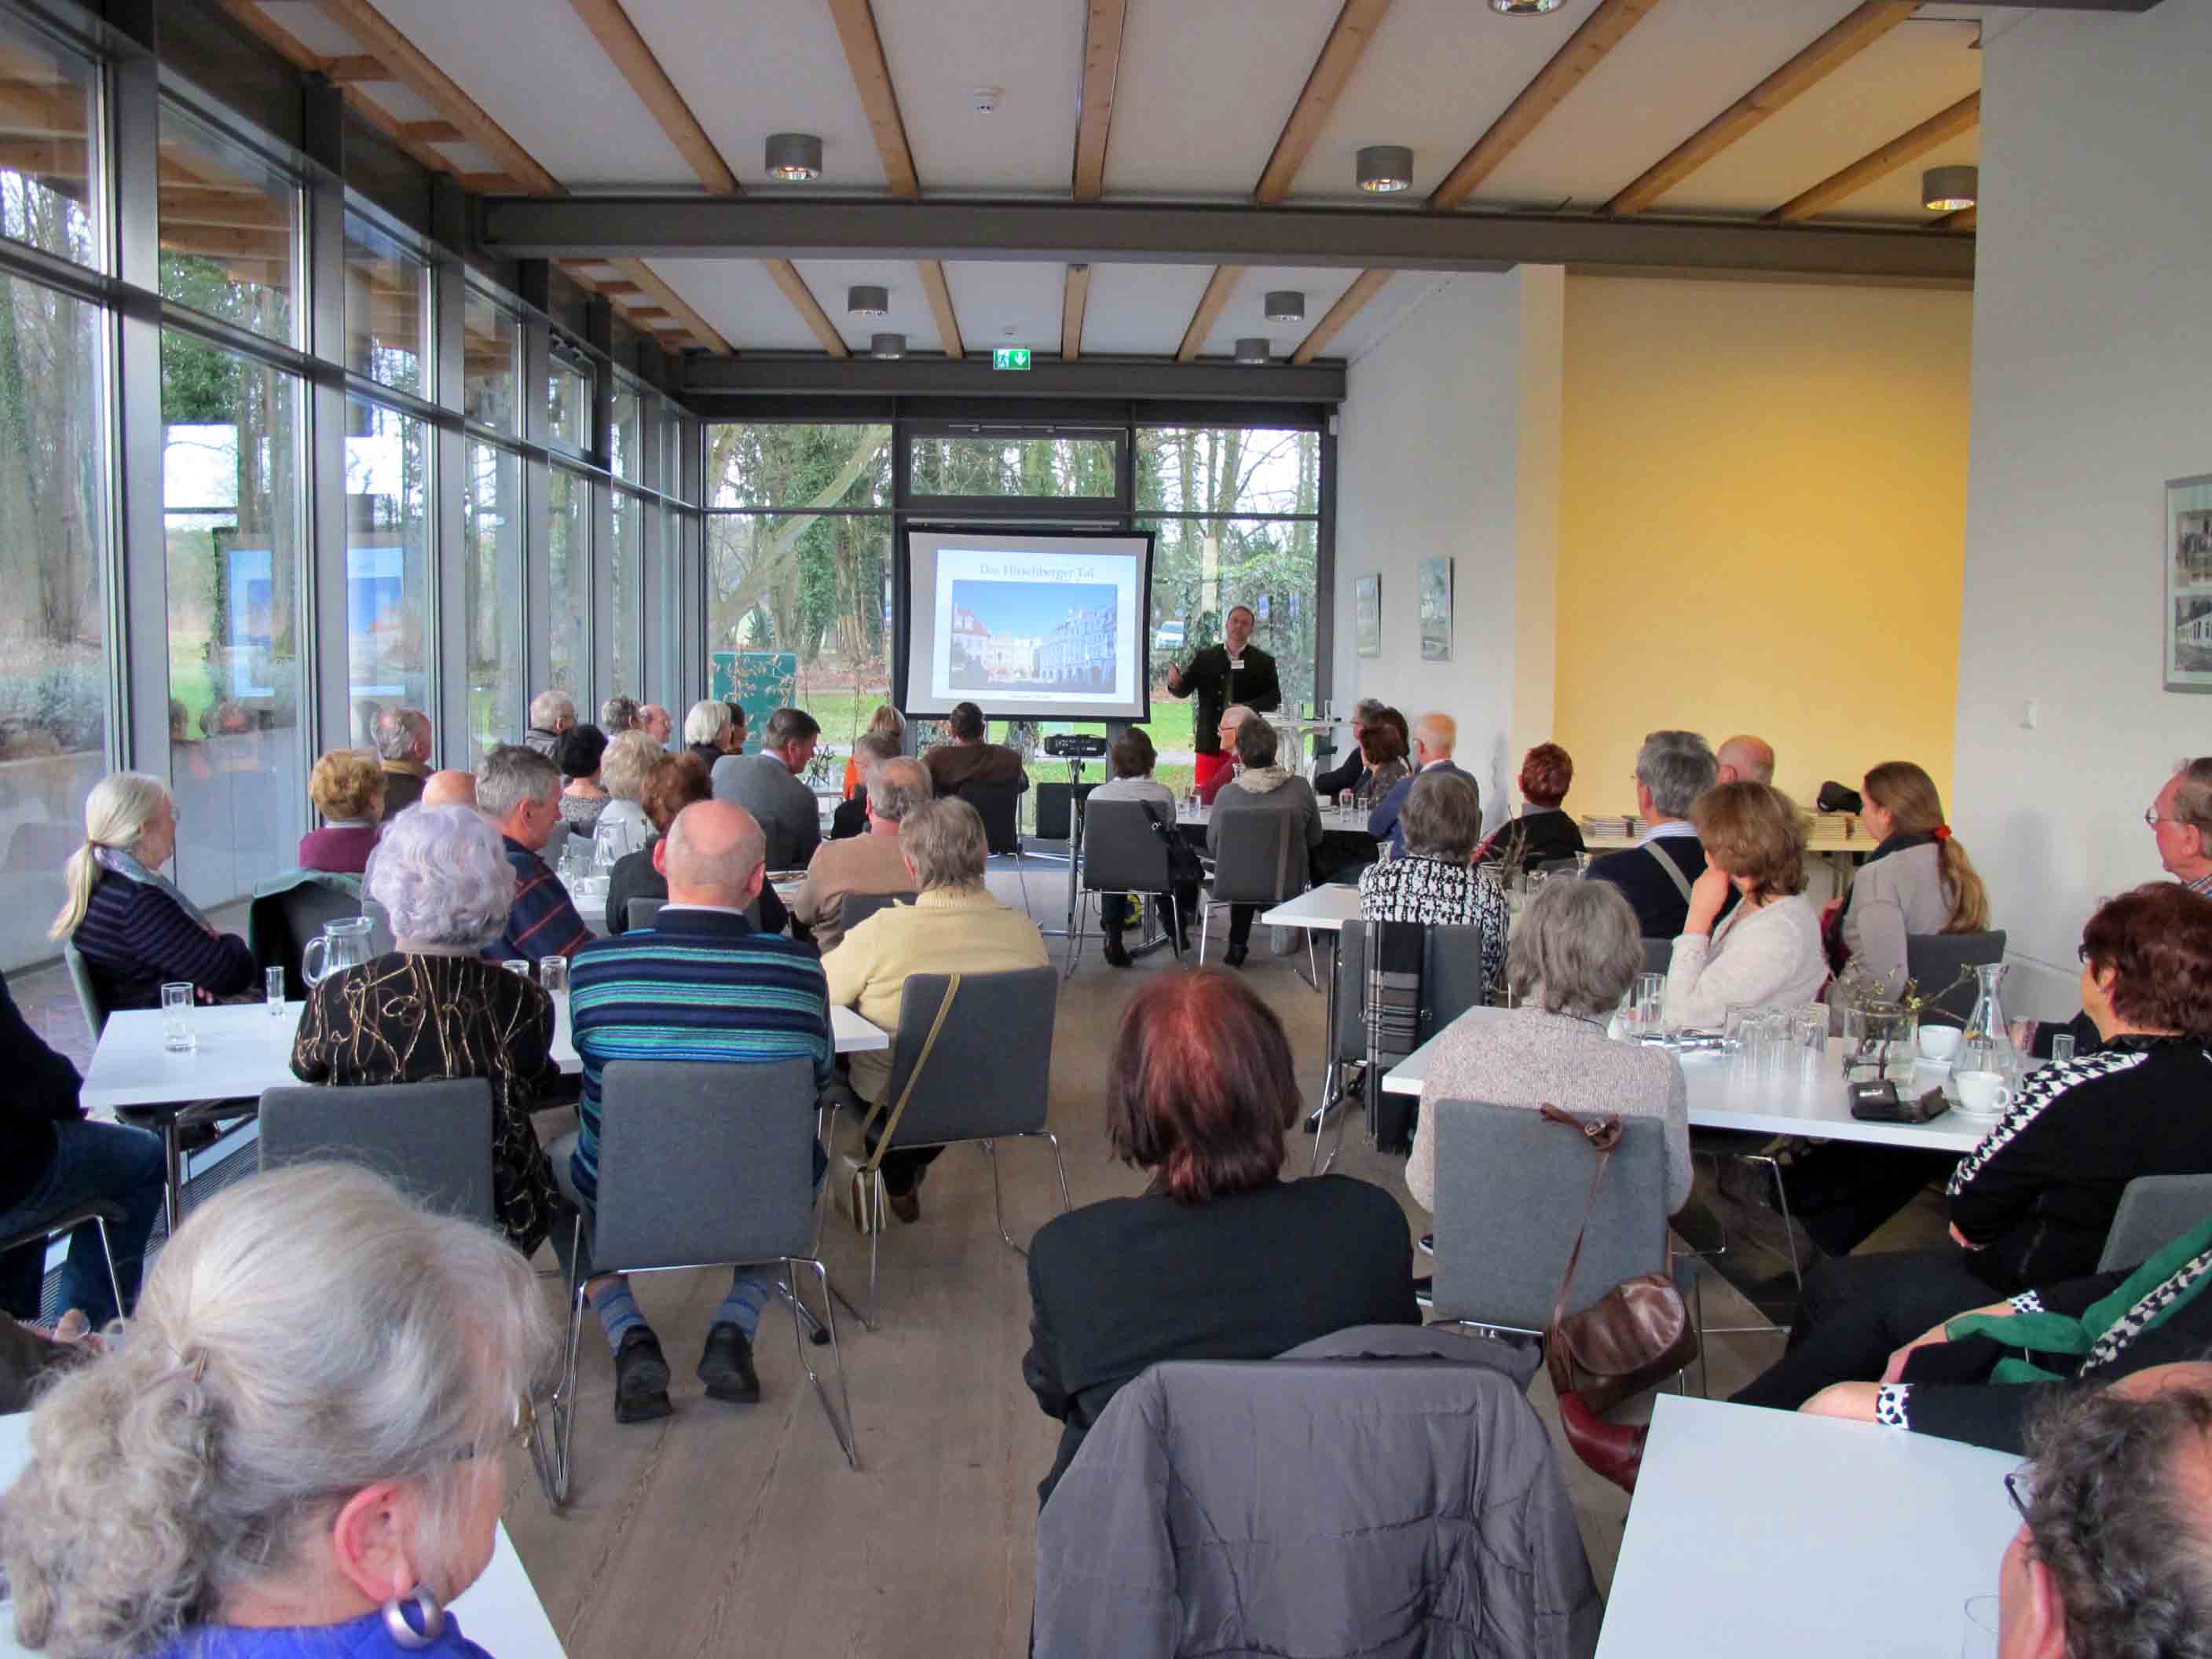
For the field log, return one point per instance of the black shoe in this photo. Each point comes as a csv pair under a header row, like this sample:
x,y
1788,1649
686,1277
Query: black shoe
x,y
640,1378
1428,1244
1234,955
1117,954
727,1366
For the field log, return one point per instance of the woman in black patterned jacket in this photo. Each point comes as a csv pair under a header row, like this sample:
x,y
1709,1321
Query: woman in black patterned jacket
x,y
435,1009
1436,881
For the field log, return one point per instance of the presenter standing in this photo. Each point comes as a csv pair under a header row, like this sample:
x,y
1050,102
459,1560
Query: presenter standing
x,y
1232,672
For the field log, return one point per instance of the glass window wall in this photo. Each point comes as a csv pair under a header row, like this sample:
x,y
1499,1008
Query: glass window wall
x,y
49,149
568,580
627,440
491,524
388,309
568,397
491,362
230,229
625,610
1016,466
388,564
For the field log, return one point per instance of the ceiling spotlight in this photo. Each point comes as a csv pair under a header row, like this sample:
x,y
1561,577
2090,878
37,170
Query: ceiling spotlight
x,y
1386,168
1252,348
887,345
1285,305
1946,190
794,157
1525,7
868,301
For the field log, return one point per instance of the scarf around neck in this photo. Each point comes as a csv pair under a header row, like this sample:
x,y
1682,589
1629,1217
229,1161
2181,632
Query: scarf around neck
x,y
1262,780
116,862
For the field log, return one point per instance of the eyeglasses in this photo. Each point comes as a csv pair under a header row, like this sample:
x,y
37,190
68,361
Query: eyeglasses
x,y
2152,818
2019,1487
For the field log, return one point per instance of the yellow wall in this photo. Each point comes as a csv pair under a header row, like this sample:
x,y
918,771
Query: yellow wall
x,y
1763,525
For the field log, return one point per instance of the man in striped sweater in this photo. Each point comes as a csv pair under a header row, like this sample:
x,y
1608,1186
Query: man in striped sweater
x,y
700,984
519,791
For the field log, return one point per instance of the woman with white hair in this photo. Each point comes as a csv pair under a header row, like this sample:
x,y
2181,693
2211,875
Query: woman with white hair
x,y
297,1448
134,927
622,771
434,1009
705,730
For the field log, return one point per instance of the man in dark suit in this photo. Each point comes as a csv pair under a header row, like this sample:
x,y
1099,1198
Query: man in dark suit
x,y
1235,671
1673,769
1434,734
1330,784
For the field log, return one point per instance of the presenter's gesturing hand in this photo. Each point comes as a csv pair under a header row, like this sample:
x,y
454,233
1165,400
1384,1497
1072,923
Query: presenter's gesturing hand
x,y
1175,681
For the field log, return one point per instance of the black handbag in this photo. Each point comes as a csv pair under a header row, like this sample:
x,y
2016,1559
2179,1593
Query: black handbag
x,y
1184,868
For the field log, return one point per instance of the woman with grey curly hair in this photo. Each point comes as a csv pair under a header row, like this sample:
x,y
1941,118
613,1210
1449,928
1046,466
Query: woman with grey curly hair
x,y
297,1447
433,1008
623,770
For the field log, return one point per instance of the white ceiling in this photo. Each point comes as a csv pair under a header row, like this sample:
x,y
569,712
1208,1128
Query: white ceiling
x,y
1203,89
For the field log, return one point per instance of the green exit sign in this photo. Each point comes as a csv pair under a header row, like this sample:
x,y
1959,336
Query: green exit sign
x,y
1010,357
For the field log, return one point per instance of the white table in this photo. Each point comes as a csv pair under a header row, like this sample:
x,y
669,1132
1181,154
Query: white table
x,y
593,907
1324,909
500,1612
1725,1094
1755,1531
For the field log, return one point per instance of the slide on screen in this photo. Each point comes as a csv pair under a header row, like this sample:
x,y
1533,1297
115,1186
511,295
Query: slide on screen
x,y
1026,627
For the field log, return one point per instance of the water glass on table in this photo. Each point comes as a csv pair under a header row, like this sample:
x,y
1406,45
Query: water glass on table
x,y
273,980
177,1017
517,966
2062,1047
1651,1004
553,974
1809,1035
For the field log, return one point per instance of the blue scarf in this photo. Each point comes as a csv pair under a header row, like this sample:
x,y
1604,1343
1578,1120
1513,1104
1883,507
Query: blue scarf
x,y
116,862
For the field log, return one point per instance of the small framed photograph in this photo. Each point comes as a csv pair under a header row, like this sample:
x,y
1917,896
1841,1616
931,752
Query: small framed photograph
x,y
2187,620
1437,609
1367,608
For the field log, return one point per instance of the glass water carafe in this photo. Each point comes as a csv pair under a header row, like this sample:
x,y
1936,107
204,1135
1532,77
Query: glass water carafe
x,y
1989,1046
342,943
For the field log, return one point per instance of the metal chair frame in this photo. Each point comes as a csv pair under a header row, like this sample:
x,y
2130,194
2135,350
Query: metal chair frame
x,y
1174,939
1207,904
98,1214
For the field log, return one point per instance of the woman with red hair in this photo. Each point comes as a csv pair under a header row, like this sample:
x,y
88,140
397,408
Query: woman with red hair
x,y
1545,833
1218,1258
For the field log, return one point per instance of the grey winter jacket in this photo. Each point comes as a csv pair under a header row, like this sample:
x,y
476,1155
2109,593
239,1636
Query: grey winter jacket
x,y
1385,1492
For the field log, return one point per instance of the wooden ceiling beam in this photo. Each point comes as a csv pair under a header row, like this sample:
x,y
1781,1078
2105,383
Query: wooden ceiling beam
x,y
1865,25
1585,48
619,38
289,45
432,132
1101,67
1365,287
940,306
1218,287
1348,37
1074,297
650,284
1939,129
351,69
871,77
785,275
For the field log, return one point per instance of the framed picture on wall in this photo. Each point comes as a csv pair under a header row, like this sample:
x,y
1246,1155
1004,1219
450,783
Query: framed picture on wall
x,y
1437,609
1367,609
2187,621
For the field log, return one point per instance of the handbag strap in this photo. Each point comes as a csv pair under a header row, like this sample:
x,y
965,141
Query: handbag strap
x,y
1603,1134
1666,861
921,1061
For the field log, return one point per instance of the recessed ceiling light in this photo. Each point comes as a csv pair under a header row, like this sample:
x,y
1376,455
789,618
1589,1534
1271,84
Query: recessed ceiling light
x,y
1946,190
868,302
1525,7
1252,348
794,157
1385,167
887,345
1285,305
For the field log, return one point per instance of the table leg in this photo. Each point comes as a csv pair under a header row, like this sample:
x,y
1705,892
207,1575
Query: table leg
x,y
1319,1115
172,1159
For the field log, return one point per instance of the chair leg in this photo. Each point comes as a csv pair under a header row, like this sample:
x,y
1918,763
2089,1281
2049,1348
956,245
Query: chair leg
x,y
1204,927
848,1440
1175,914
1060,1164
1782,1202
875,1237
998,1202
107,1255
550,1442
1075,933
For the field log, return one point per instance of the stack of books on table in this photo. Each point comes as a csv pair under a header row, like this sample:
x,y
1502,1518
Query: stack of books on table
x,y
1618,826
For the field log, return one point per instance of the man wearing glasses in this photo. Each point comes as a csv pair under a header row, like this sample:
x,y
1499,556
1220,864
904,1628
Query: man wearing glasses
x,y
2181,819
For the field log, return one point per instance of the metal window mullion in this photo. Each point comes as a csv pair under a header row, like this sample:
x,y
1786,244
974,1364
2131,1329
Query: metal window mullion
x,y
598,606
538,514
328,644
449,683
138,606
691,658
1325,572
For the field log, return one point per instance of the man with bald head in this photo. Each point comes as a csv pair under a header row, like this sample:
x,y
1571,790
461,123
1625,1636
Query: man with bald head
x,y
1745,760
700,984
656,723
450,788
1434,737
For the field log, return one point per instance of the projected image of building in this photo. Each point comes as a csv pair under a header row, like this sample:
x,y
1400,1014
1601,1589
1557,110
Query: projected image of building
x,y
1011,636
981,658
1079,650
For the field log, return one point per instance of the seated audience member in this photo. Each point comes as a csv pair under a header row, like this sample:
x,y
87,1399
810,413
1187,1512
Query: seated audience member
x,y
2181,819
656,723
733,736
672,783
1434,734
1744,760
702,984
519,791
1216,778
970,758
1381,760
1673,769
298,1450
622,773
1572,959
347,787
551,712
1131,760
619,714
433,1009
1233,674
1353,772
1262,790
1976,1375
2032,1203
849,818
768,786
52,1161
865,864
403,743
583,796
1918,879
31,1355
134,925
450,788
704,727
954,926
1544,833
1434,882
1219,1258
1767,952
885,722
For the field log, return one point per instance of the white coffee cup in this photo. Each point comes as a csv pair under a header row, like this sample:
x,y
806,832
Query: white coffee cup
x,y
1982,1093
1940,1042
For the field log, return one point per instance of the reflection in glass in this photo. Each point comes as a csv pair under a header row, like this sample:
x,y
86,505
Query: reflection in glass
x,y
569,578
230,483
788,465
1201,567
492,528
387,309
627,440
388,563
230,229
625,609
796,600
49,149
1016,465
491,362
1227,471
53,672
568,397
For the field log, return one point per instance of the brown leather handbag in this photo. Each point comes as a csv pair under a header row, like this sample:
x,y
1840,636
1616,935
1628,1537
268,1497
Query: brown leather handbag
x,y
1635,1336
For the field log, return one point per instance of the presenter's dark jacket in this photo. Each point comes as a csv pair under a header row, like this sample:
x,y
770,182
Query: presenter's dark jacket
x,y
1217,686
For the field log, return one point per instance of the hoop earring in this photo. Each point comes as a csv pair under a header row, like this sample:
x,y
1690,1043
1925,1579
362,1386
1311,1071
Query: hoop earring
x,y
402,1632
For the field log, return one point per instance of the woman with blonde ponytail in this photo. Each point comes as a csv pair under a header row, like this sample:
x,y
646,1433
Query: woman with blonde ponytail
x,y
134,926
295,1450
1918,879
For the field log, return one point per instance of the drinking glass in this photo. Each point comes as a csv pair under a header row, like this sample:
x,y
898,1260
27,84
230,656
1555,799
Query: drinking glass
x,y
1739,1015
517,966
1651,1003
177,1017
553,974
1809,1035
1983,1622
273,981
2062,1047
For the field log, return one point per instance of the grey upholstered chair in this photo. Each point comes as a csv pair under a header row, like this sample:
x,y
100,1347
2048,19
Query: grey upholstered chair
x,y
2154,1211
857,908
432,1140
88,992
1259,858
999,806
1658,955
1122,855
702,1165
1934,962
